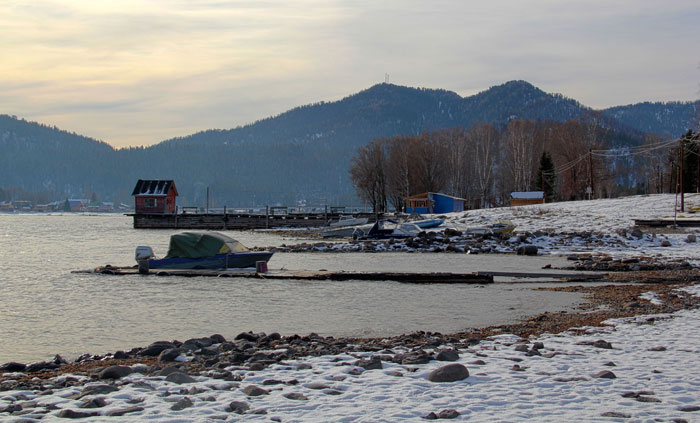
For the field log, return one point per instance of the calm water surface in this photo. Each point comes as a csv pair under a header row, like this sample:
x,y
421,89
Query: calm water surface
x,y
45,309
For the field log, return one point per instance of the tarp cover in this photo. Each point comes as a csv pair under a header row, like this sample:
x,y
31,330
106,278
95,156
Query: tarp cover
x,y
202,244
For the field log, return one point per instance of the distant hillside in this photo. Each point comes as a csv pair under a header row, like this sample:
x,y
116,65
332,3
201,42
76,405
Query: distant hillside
x,y
302,154
671,119
40,158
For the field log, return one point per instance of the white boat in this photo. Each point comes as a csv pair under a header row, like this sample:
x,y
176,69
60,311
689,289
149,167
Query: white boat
x,y
344,232
500,227
349,221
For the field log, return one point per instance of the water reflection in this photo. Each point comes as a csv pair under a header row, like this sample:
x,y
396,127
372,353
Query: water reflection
x,y
48,310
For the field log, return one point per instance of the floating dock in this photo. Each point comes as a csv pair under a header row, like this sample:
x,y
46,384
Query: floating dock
x,y
325,275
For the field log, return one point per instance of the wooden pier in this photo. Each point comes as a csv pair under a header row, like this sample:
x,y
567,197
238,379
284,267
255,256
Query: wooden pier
x,y
270,218
325,275
692,223
309,275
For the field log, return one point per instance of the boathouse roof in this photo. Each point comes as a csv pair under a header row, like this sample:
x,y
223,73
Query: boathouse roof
x,y
154,187
527,195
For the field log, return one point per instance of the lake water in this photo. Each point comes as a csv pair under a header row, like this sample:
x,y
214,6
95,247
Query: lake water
x,y
45,309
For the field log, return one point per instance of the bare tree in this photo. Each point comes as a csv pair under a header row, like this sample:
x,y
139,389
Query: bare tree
x,y
521,154
483,140
398,171
429,159
454,141
567,154
367,173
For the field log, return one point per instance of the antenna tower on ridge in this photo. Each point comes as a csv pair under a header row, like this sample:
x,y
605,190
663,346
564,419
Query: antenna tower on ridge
x,y
386,78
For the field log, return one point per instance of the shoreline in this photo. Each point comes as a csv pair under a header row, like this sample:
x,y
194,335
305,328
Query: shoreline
x,y
601,302
596,364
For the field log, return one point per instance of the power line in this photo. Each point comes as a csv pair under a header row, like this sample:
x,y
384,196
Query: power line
x,y
614,152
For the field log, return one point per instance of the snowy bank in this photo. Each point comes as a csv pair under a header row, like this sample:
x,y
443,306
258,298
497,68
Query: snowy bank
x,y
603,226
633,368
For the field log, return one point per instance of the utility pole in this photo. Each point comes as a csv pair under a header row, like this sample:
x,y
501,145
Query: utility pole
x,y
697,153
590,174
680,177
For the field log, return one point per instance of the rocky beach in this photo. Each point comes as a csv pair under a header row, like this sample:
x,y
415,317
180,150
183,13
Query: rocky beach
x,y
622,355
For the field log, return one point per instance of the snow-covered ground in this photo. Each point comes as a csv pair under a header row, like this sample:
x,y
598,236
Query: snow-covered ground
x,y
608,217
597,226
652,363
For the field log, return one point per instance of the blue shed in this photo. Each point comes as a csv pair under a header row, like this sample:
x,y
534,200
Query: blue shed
x,y
432,202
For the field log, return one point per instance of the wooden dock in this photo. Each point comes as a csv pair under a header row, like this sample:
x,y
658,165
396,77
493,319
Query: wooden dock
x,y
239,221
691,223
324,275
309,275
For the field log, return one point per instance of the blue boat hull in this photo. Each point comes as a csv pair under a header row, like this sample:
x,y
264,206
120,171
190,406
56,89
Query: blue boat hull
x,y
219,261
430,223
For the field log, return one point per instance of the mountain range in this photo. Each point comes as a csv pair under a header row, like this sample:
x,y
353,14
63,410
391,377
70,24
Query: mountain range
x,y
300,155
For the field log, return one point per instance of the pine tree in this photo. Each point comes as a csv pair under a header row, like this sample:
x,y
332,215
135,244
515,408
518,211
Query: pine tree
x,y
546,177
690,162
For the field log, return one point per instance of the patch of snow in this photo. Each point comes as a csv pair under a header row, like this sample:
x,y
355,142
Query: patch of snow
x,y
652,297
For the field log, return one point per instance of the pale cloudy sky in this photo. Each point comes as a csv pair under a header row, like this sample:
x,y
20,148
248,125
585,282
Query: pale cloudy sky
x,y
137,72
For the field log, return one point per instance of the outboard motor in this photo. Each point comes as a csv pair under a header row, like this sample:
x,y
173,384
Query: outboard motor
x,y
143,254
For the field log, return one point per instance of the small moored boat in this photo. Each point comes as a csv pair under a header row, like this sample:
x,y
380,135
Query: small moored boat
x,y
202,250
428,223
349,221
386,229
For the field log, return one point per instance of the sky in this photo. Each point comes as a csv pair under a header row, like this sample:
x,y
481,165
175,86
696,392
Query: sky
x,y
135,73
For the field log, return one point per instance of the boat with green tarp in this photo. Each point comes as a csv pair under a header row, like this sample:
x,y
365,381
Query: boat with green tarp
x,y
202,250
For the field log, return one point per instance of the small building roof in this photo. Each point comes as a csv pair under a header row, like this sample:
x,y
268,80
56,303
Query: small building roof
x,y
527,195
154,187
427,194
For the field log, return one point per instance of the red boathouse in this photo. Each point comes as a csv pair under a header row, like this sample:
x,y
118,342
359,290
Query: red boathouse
x,y
155,197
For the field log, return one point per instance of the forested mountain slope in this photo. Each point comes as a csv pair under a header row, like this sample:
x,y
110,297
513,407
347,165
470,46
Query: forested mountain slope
x,y
302,154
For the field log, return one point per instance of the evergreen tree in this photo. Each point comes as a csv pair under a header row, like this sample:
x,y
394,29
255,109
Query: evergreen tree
x,y
690,162
546,177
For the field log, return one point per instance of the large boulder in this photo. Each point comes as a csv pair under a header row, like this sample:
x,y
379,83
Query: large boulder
x,y
179,378
115,372
13,366
238,407
156,348
527,250
373,363
254,391
448,355
169,355
449,373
